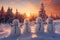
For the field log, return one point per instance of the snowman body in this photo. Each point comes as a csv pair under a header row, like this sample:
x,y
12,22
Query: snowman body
x,y
15,30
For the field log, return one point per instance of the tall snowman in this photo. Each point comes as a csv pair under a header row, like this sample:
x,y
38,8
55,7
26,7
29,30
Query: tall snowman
x,y
26,26
39,25
15,30
50,26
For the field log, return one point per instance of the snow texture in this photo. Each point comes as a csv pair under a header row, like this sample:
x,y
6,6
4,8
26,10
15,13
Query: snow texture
x,y
7,31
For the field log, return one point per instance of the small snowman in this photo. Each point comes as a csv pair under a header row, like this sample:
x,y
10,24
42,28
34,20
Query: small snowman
x,y
50,25
15,30
26,26
39,25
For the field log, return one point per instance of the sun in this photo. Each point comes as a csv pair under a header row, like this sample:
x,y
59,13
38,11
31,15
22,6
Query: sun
x,y
28,15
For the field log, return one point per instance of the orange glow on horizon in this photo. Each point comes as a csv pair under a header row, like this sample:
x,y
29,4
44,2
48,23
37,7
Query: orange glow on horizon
x,y
28,15
29,7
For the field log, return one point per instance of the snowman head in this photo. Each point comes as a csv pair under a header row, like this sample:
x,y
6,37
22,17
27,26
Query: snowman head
x,y
49,20
15,22
38,20
26,21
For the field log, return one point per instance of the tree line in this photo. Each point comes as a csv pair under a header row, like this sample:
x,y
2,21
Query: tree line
x,y
9,16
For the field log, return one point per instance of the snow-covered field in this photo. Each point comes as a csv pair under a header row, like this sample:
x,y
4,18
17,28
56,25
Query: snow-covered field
x,y
5,31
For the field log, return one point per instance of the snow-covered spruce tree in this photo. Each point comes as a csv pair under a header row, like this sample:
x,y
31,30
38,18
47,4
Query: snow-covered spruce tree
x,y
42,13
39,25
9,15
15,30
26,26
50,28
2,15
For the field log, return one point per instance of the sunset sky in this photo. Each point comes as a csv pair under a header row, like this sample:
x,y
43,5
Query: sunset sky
x,y
32,6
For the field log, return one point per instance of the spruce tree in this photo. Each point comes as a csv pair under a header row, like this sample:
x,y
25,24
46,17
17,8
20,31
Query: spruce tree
x,y
9,15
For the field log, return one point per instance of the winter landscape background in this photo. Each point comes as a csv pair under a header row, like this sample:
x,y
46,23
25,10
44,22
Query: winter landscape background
x,y
29,20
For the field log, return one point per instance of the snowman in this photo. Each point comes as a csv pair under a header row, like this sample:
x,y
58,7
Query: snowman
x,y
26,26
15,30
39,25
50,25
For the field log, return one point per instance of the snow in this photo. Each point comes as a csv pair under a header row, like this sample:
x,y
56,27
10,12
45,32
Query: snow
x,y
5,32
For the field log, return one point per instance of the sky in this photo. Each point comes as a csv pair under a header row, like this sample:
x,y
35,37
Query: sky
x,y
32,6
